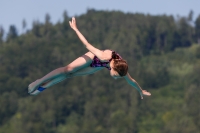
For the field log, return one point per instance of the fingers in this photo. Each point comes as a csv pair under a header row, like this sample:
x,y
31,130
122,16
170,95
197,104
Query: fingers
x,y
141,95
145,93
73,21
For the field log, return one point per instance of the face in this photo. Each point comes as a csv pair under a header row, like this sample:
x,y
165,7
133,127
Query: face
x,y
114,74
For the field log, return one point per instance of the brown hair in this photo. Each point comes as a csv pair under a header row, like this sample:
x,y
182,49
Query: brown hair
x,y
119,65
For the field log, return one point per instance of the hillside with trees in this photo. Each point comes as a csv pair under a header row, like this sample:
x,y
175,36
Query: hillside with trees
x,y
163,54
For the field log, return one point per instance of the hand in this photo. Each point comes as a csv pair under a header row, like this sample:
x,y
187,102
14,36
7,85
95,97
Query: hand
x,y
145,93
73,23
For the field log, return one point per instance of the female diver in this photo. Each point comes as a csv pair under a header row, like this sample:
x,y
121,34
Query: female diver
x,y
89,63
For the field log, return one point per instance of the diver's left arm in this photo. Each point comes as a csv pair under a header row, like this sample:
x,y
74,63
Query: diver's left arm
x,y
133,83
99,53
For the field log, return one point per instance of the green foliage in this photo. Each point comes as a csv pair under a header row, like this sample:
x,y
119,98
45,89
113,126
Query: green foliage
x,y
197,53
161,58
197,27
1,35
12,34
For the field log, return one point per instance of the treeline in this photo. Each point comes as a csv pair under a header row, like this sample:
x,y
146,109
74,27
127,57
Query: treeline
x,y
163,55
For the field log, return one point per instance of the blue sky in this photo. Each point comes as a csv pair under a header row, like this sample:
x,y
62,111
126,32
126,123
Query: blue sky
x,y
12,12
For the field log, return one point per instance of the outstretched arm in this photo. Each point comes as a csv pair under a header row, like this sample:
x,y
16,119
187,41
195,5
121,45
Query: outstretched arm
x,y
133,83
91,48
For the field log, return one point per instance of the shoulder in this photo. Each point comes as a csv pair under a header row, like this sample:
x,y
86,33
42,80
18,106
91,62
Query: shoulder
x,y
107,54
107,51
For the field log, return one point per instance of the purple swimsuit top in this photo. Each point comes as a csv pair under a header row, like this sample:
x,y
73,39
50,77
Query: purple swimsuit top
x,y
97,63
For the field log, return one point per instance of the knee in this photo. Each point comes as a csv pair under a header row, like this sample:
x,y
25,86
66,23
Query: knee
x,y
60,70
69,69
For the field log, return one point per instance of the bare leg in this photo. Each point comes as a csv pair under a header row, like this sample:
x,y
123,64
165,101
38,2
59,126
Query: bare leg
x,y
84,71
53,82
63,72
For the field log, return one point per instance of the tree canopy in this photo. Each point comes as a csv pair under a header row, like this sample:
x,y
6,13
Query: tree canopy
x,y
163,56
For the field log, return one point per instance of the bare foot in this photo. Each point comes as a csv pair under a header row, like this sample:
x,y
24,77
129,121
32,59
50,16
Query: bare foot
x,y
32,87
34,93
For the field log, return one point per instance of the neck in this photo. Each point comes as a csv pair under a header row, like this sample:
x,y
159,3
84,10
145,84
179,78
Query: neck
x,y
111,63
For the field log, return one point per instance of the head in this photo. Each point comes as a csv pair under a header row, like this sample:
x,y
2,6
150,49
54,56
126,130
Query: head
x,y
119,68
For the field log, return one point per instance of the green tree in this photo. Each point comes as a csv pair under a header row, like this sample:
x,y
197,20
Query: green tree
x,y
197,29
1,34
159,59
185,32
190,16
12,34
36,29
24,24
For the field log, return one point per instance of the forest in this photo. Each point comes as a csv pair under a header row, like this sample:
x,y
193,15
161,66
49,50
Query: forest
x,y
163,53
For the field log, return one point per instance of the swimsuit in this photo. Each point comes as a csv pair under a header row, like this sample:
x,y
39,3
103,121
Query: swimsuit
x,y
98,63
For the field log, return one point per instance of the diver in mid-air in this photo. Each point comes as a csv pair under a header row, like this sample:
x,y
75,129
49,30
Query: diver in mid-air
x,y
89,63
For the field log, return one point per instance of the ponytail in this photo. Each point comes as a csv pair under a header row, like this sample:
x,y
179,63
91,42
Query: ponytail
x,y
115,55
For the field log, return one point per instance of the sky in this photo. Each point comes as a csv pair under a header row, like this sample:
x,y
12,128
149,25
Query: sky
x,y
13,12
